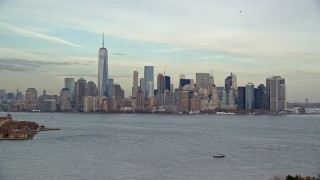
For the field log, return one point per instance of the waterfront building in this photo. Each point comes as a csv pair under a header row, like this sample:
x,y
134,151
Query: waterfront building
x,y
204,104
195,103
215,100
140,99
102,103
227,101
31,99
81,91
202,80
3,95
103,71
220,92
149,81
241,98
249,96
65,100
184,101
48,105
260,97
116,92
231,84
135,83
90,104
168,98
276,93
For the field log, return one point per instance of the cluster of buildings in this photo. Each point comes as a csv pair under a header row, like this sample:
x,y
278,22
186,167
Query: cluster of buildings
x,y
191,96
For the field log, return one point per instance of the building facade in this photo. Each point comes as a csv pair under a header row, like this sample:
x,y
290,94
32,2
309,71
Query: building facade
x,y
103,71
202,80
250,96
276,93
135,83
149,81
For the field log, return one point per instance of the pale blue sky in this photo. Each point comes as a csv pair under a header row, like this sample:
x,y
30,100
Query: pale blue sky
x,y
42,42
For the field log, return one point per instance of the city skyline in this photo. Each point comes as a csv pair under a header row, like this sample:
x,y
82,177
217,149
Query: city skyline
x,y
255,40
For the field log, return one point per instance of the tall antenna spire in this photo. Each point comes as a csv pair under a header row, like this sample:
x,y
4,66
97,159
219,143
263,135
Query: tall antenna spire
x,y
103,40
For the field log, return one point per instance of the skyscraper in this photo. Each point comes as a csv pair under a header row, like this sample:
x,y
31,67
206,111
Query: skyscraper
x,y
31,99
202,80
81,91
276,93
249,96
135,83
167,83
260,97
149,81
231,82
160,83
93,91
70,84
103,71
241,98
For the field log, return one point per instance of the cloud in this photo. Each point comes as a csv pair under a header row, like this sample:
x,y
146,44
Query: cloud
x,y
27,65
28,33
119,54
78,75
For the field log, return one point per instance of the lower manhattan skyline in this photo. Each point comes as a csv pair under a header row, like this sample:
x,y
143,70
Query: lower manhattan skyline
x,y
41,43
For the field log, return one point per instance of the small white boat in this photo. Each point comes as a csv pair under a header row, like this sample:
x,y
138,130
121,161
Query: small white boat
x,y
219,155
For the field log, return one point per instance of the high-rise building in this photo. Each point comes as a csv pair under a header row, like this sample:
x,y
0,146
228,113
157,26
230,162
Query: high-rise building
x,y
135,83
149,81
227,100
241,98
103,71
183,82
167,83
260,97
81,91
276,93
211,79
231,83
160,83
65,100
93,90
116,92
31,99
140,99
184,101
142,86
249,96
202,80
90,104
70,84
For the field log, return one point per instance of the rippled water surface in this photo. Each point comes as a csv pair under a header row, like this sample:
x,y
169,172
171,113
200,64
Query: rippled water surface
x,y
145,146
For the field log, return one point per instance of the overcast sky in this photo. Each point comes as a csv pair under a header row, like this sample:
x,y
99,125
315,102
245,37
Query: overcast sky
x,y
42,42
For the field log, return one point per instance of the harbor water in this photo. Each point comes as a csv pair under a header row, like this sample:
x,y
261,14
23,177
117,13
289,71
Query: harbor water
x,y
150,146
